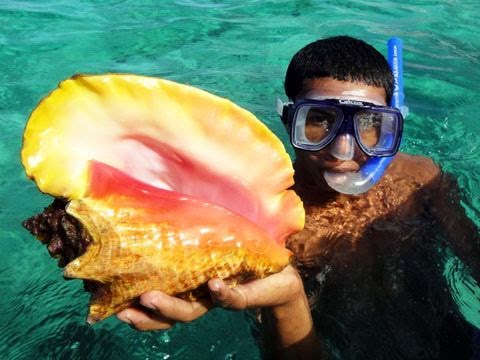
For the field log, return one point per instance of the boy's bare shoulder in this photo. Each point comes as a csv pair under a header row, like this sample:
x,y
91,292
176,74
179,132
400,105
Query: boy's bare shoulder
x,y
419,169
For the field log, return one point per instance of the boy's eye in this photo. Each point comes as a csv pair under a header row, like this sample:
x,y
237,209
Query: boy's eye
x,y
322,118
317,121
315,118
318,124
369,126
369,120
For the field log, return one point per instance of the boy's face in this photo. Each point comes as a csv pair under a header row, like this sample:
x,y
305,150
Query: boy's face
x,y
315,163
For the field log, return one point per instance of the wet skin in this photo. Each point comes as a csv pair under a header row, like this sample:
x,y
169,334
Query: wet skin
x,y
373,263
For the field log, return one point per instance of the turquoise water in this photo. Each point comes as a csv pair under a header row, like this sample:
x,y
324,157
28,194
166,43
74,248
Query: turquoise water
x,y
236,49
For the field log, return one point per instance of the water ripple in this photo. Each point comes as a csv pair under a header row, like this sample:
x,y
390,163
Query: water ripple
x,y
465,290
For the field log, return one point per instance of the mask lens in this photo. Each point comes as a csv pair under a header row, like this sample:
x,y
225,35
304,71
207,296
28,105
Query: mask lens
x,y
319,123
315,125
377,131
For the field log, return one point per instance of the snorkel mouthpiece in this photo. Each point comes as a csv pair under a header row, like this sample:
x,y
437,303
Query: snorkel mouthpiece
x,y
354,183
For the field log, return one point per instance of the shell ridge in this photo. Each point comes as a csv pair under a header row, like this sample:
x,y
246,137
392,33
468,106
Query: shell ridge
x,y
102,232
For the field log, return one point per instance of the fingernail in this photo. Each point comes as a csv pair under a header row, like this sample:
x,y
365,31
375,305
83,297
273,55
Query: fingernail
x,y
215,287
124,318
150,306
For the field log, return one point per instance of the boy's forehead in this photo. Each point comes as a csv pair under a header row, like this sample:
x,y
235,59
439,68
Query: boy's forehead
x,y
332,88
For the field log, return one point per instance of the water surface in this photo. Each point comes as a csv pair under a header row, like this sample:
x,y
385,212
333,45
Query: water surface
x,y
236,49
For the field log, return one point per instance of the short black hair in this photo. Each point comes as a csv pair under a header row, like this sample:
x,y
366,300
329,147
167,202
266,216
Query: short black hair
x,y
342,58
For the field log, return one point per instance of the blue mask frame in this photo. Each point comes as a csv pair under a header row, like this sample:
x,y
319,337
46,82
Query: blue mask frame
x,y
345,111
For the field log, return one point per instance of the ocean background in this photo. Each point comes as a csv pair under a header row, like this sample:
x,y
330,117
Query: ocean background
x,y
235,49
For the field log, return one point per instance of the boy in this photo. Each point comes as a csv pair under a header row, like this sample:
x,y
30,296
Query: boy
x,y
372,264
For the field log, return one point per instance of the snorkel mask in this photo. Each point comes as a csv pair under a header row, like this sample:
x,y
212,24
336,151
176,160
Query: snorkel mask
x,y
314,124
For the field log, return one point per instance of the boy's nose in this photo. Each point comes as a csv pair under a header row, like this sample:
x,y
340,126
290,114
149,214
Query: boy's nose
x,y
343,147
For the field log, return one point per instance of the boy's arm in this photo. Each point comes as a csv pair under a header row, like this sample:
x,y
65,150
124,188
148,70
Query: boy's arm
x,y
461,233
439,195
289,331
286,316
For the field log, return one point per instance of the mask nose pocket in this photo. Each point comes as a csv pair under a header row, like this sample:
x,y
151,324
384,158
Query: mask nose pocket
x,y
343,147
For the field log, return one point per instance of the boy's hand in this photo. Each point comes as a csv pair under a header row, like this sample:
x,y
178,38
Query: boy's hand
x,y
163,311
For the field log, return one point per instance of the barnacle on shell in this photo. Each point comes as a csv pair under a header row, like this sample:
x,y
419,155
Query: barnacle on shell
x,y
173,185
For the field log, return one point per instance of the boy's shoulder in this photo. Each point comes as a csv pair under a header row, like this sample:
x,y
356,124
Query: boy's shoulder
x,y
420,169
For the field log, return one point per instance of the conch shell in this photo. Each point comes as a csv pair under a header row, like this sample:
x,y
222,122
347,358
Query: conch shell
x,y
174,185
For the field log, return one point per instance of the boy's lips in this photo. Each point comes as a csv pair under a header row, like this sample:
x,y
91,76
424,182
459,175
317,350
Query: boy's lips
x,y
341,166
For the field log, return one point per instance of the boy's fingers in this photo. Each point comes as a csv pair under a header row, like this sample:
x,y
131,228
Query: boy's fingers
x,y
274,290
163,311
224,296
143,320
173,308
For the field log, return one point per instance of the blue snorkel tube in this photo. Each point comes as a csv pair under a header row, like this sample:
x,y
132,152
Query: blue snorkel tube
x,y
354,183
